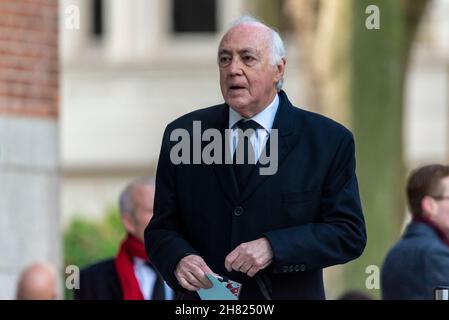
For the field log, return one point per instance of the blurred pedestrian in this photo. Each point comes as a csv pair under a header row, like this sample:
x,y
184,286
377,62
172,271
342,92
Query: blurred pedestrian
x,y
419,262
37,282
130,275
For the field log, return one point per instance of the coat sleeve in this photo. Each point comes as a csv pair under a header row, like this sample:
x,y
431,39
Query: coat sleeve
x,y
339,236
164,242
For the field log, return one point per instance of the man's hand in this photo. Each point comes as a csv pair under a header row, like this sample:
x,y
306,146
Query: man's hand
x,y
191,273
250,257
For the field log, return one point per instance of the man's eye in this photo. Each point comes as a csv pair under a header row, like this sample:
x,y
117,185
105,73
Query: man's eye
x,y
248,59
224,60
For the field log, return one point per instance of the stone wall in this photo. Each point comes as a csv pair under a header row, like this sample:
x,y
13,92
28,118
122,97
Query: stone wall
x,y
29,161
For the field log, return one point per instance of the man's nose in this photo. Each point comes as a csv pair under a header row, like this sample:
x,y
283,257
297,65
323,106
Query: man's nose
x,y
235,67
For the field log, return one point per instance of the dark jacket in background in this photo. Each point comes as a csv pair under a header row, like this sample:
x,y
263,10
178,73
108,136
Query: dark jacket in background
x,y
416,265
99,282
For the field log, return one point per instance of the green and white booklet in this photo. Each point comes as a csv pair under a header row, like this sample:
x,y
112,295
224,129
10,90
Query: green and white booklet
x,y
222,289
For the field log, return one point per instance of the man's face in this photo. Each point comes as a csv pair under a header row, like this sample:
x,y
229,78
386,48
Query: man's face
x,y
143,197
247,77
441,216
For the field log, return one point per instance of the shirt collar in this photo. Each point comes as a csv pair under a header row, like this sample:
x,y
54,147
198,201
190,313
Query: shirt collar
x,y
265,118
139,261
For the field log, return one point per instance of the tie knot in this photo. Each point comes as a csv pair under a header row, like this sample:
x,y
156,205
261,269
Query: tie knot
x,y
248,124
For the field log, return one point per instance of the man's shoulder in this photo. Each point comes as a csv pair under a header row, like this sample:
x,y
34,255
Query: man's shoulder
x,y
310,121
99,281
419,240
426,249
100,269
208,114
423,234
318,124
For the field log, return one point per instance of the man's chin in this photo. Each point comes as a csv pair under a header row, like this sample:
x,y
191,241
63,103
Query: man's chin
x,y
237,102
243,111
238,107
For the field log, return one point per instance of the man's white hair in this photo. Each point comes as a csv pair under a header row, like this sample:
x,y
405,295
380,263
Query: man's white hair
x,y
126,203
276,44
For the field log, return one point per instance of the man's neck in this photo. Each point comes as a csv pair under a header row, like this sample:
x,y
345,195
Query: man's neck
x,y
264,117
265,105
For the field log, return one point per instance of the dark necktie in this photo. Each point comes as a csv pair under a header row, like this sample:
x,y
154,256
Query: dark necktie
x,y
159,286
243,170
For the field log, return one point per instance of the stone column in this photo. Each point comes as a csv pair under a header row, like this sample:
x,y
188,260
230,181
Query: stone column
x,y
229,10
134,29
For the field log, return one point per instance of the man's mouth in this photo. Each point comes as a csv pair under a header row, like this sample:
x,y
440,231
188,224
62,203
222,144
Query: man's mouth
x,y
236,87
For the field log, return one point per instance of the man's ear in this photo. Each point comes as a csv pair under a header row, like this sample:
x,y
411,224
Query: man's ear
x,y
280,68
128,223
428,206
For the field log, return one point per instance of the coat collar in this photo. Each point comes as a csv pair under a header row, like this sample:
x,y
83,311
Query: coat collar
x,y
288,137
424,227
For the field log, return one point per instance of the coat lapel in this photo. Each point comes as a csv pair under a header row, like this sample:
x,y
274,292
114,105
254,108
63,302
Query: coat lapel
x,y
287,139
224,172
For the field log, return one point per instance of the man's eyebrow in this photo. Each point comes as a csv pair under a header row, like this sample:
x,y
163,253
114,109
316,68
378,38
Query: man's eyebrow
x,y
248,50
223,51
242,51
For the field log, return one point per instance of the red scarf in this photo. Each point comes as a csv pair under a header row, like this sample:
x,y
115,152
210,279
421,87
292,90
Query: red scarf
x,y
131,247
432,224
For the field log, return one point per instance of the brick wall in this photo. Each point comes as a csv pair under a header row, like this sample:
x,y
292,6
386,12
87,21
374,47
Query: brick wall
x,y
29,58
29,159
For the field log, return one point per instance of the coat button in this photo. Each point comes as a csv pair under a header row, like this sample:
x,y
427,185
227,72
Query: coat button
x,y
290,269
297,268
284,268
238,211
303,267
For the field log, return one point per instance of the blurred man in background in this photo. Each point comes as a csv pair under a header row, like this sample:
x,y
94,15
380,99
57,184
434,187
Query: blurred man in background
x,y
129,276
419,262
37,282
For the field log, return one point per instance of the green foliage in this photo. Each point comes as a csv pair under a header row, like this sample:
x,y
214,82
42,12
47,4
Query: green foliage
x,y
378,73
87,242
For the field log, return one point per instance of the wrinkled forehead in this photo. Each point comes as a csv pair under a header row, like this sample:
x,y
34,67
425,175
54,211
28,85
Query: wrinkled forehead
x,y
246,36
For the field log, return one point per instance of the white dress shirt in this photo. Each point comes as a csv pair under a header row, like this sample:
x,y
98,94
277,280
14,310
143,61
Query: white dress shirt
x,y
265,118
146,277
